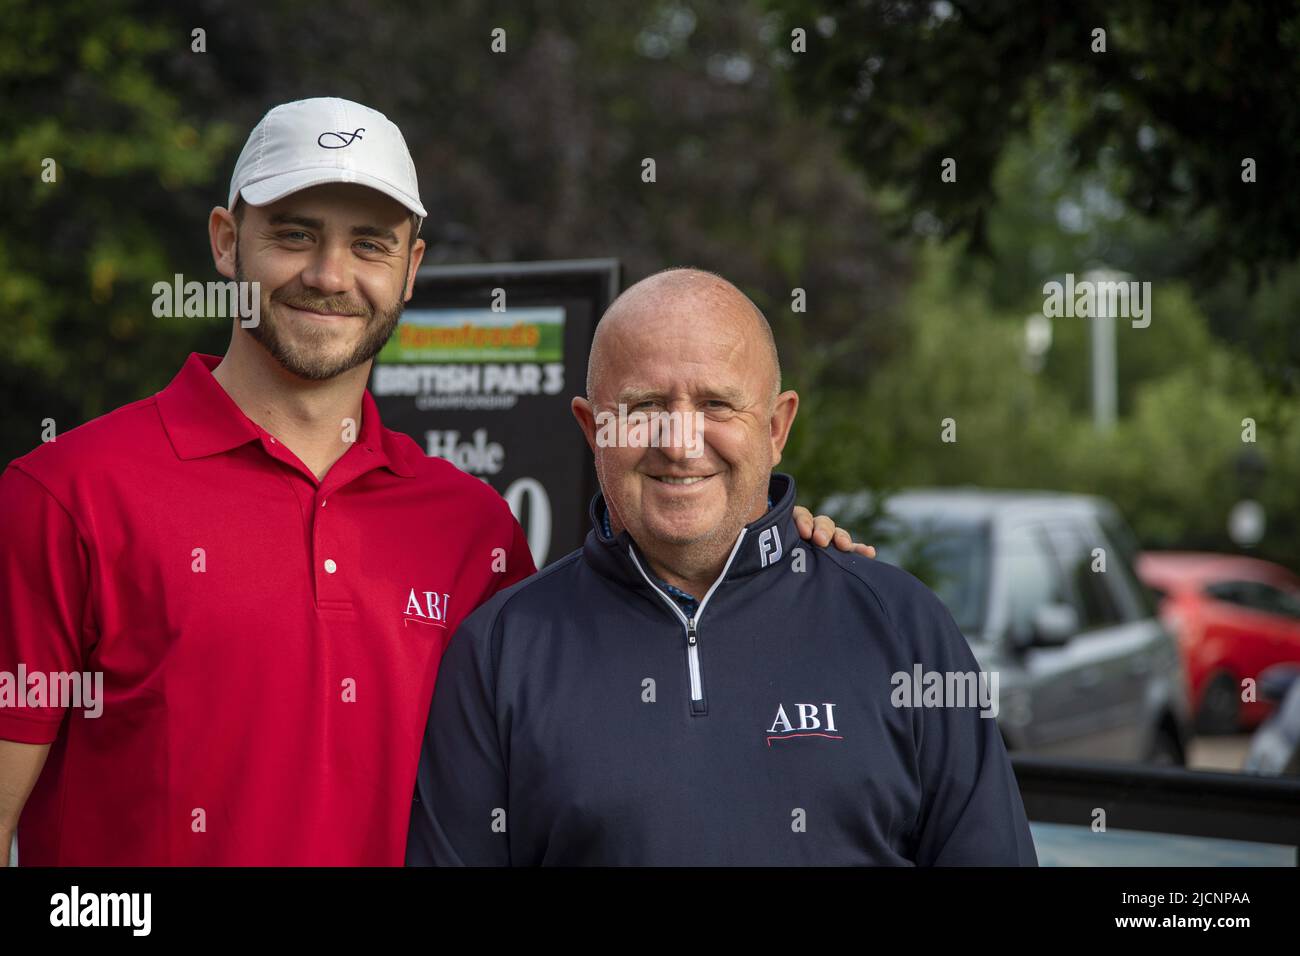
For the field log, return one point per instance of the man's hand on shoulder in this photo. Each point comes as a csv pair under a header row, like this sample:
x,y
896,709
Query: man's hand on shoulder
x,y
821,531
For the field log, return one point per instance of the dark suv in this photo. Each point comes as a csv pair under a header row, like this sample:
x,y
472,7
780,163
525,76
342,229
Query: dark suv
x,y
1042,584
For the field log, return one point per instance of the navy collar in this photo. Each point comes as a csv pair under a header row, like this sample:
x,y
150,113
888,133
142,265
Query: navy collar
x,y
765,543
687,602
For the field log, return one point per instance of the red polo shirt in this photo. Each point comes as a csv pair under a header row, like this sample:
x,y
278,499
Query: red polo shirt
x,y
268,642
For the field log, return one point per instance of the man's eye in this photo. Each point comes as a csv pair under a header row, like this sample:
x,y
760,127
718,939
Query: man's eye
x,y
294,235
374,246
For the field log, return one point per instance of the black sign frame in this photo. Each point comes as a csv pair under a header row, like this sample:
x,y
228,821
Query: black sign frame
x,y
532,453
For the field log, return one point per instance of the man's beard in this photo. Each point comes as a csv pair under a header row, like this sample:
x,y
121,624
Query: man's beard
x,y
298,359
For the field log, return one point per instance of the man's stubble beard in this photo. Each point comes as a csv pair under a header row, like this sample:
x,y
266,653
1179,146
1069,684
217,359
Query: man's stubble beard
x,y
317,368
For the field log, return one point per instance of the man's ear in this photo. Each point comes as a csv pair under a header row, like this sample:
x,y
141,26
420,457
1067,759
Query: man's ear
x,y
417,255
222,237
586,416
787,405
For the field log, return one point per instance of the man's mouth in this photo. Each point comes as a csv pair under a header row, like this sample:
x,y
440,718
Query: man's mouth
x,y
680,480
321,313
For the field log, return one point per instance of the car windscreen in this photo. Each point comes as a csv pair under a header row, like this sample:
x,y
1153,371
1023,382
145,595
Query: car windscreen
x,y
951,557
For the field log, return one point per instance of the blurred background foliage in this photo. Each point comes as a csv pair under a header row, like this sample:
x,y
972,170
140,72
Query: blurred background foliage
x,y
781,170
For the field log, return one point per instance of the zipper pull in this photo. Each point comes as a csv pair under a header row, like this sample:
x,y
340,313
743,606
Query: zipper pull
x,y
690,632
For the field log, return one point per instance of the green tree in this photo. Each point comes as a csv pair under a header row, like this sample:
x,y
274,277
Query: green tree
x,y
98,154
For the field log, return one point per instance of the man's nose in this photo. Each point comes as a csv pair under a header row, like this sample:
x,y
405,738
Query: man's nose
x,y
672,447
681,435
329,271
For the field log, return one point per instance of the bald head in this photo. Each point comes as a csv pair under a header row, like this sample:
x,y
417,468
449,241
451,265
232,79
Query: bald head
x,y
702,298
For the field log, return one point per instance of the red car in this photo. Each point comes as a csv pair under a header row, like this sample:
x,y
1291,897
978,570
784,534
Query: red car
x,y
1234,616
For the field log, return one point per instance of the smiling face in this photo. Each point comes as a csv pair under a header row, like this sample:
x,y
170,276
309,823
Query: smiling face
x,y
336,264
686,342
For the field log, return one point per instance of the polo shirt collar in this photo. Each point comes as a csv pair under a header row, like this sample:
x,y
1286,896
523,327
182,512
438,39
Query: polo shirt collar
x,y
201,419
386,443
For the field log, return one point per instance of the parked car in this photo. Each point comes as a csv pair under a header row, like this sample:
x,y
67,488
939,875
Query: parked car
x,y
1234,617
1275,746
1043,586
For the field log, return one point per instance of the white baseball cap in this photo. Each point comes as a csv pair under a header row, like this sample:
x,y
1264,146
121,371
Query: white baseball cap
x,y
324,140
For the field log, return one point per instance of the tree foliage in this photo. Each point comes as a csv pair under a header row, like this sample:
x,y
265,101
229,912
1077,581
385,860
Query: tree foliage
x,y
1180,96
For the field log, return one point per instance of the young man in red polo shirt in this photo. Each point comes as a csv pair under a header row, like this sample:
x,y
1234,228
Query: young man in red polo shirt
x,y
222,607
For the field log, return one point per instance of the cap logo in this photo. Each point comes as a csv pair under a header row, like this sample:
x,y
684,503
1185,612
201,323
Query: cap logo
x,y
339,140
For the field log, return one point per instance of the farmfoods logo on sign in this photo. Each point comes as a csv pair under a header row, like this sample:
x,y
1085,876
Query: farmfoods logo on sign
x,y
473,360
477,335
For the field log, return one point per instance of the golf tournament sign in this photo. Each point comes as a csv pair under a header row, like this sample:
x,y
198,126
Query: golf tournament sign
x,y
480,371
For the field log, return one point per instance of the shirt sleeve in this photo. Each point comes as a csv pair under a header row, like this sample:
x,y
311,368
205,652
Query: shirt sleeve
x,y
43,582
971,813
459,816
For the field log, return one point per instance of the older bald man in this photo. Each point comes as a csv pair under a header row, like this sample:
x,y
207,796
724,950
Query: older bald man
x,y
693,686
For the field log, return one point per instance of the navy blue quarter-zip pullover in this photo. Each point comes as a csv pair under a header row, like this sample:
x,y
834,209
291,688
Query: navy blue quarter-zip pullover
x,y
587,717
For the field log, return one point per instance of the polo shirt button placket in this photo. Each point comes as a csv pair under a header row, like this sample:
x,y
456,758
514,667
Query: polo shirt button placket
x,y
331,588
